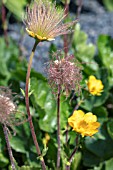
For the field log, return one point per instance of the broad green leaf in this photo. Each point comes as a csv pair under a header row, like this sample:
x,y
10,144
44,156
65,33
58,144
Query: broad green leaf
x,y
18,145
89,159
100,149
84,51
110,128
3,160
109,164
6,53
108,4
72,136
16,7
101,113
94,101
105,47
43,97
22,139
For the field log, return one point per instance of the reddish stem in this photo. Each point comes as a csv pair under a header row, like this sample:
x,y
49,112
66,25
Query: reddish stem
x,y
66,11
79,3
58,128
28,110
9,147
72,155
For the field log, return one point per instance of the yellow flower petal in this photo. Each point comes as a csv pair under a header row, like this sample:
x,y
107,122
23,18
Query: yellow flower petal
x,y
78,114
95,86
75,118
85,124
89,117
30,33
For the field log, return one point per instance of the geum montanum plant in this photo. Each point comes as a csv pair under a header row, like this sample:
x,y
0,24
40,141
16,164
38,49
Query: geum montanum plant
x,y
43,21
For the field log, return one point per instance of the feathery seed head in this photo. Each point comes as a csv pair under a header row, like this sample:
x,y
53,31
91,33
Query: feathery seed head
x,y
43,21
7,106
64,72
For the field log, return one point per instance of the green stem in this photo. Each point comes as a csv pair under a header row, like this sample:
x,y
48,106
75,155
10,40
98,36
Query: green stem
x,y
9,147
28,110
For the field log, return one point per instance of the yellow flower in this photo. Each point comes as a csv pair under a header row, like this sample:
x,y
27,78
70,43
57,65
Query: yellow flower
x,y
44,21
95,86
46,139
85,124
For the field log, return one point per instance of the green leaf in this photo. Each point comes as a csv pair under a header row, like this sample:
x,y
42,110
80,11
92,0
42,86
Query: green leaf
x,y
101,113
18,145
109,164
63,1
45,104
16,7
22,140
5,55
108,4
51,156
3,160
90,159
105,48
22,91
28,168
98,148
110,128
83,51
94,101
76,161
43,98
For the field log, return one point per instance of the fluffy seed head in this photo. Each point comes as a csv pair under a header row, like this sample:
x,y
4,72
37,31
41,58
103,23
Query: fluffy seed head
x,y
7,106
64,72
44,21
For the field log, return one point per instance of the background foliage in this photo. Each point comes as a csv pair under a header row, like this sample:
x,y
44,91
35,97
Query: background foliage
x,y
94,153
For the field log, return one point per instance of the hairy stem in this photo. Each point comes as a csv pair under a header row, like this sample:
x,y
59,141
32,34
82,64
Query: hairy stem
x,y
79,4
9,147
28,110
72,155
58,128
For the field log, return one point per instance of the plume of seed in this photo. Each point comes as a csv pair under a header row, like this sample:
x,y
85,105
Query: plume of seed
x,y
65,72
8,108
43,18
